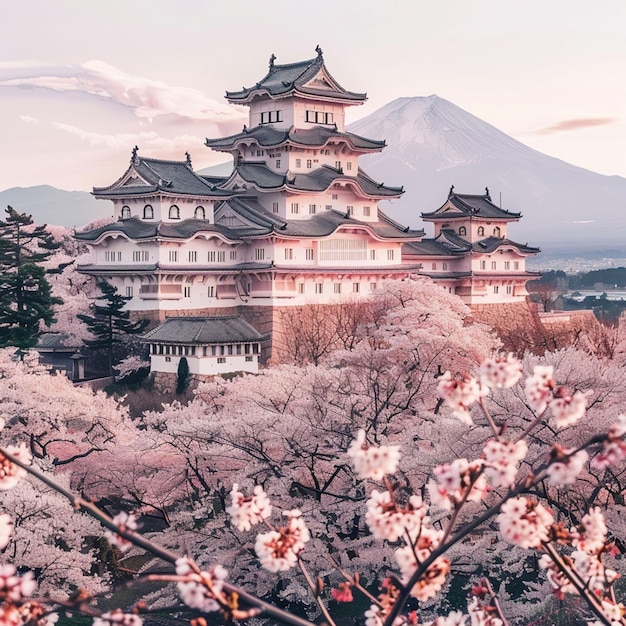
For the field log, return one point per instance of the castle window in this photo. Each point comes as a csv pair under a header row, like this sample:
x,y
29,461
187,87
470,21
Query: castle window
x,y
269,117
356,287
350,210
507,265
148,212
337,287
233,255
372,255
298,162
125,212
259,254
372,286
113,256
288,254
294,208
308,254
275,207
318,117
249,358
515,265
174,212
221,256
200,213
390,255
173,256
221,359
349,165
312,209
483,265
434,266
186,292
494,265
366,211
211,256
129,292
496,289
496,231
309,163
211,291
193,256
277,163
300,287
444,266
481,230
462,230
319,287
338,165
329,207
509,290
334,196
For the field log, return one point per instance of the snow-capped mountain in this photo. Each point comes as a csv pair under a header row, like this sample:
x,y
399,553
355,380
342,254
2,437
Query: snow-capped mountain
x,y
433,144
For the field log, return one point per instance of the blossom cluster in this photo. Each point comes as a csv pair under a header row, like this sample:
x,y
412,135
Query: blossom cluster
x,y
614,447
460,394
457,482
117,617
246,512
200,589
525,522
502,459
10,473
389,520
374,462
278,550
124,521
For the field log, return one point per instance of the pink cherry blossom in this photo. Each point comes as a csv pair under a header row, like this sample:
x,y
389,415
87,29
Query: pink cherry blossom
x,y
246,512
502,459
199,590
6,530
459,394
567,409
501,372
117,617
565,467
124,521
538,388
11,474
590,536
343,593
480,617
388,520
457,481
373,462
278,550
525,522
15,588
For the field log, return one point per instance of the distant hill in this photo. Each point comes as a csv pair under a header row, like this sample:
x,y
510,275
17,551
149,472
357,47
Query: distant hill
x,y
49,205
433,144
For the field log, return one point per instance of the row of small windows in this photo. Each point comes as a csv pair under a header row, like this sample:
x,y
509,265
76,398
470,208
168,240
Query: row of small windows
x,y
494,265
318,117
508,289
174,213
213,256
337,288
269,117
295,209
480,232
223,350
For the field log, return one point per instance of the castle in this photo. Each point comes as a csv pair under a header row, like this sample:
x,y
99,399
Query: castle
x,y
296,222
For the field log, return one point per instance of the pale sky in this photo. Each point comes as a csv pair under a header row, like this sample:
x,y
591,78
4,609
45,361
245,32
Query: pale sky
x,y
82,82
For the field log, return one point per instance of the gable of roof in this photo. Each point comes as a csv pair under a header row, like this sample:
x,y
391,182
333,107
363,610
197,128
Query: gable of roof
x,y
307,78
461,206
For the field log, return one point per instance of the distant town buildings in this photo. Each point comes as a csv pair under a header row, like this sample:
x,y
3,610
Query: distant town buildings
x,y
297,221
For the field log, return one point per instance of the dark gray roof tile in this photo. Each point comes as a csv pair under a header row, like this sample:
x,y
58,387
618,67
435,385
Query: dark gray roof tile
x,y
203,331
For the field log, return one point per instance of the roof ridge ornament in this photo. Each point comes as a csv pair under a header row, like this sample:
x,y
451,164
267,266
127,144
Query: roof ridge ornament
x,y
451,193
272,59
487,193
188,159
134,158
319,51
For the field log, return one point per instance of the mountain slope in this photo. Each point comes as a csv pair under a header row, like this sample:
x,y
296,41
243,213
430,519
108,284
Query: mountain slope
x,y
49,205
433,144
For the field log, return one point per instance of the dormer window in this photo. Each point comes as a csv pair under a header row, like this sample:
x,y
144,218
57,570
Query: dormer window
x,y
200,213
269,117
462,230
481,231
174,213
148,212
496,231
125,212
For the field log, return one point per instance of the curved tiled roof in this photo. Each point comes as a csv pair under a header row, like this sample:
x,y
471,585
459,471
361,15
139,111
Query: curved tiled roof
x,y
154,175
203,331
292,78
491,244
317,180
318,136
461,206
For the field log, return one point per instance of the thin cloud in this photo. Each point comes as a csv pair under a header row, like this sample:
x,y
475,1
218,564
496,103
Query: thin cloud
x,y
576,124
147,98
29,119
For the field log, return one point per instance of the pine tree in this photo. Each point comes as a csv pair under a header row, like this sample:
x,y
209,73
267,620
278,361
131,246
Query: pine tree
x,y
110,323
25,296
